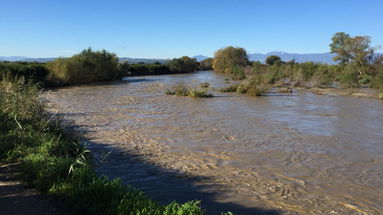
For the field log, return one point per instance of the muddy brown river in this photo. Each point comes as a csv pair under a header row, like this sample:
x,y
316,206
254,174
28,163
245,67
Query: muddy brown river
x,y
297,153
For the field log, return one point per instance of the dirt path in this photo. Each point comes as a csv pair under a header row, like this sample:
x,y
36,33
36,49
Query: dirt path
x,y
16,199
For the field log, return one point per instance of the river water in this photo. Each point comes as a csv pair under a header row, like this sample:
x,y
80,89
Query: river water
x,y
297,153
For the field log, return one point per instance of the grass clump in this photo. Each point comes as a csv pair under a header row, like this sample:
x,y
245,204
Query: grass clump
x,y
205,84
55,161
199,93
180,89
229,89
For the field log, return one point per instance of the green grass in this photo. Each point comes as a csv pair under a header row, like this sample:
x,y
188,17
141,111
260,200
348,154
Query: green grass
x,y
231,88
256,85
56,162
205,84
181,90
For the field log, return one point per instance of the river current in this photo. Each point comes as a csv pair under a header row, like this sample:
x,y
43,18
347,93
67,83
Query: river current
x,y
298,153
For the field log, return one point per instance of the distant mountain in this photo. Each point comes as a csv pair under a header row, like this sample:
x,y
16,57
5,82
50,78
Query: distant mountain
x,y
44,60
315,57
143,60
200,57
20,58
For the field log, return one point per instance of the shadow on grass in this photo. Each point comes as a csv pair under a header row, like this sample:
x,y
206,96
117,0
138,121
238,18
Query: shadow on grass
x,y
164,185
17,199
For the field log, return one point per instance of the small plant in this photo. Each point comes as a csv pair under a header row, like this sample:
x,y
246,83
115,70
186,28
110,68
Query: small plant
x,y
381,94
205,84
199,94
231,88
350,77
181,90
242,88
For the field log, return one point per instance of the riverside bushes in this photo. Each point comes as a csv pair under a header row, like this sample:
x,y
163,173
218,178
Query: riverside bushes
x,y
87,67
147,69
55,161
31,70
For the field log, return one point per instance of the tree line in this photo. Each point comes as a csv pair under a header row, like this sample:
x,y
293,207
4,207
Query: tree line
x,y
92,66
358,65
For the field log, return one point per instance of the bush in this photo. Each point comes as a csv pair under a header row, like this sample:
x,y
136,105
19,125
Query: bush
x,y
350,77
199,94
206,64
273,60
377,82
228,59
146,69
231,88
306,70
323,76
87,67
181,90
236,72
36,72
205,84
182,65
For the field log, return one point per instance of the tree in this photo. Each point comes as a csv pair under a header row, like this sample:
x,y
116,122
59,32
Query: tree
x,y
339,46
361,53
227,59
183,64
273,60
355,51
206,64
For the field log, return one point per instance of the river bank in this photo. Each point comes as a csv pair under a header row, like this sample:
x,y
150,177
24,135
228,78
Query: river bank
x,y
53,160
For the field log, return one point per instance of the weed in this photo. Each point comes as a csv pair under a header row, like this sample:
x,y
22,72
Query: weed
x,y
231,88
181,90
205,84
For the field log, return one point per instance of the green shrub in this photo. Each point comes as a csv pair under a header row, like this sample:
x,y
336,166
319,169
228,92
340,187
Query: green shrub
x,y
323,76
87,67
181,90
231,88
237,72
242,88
36,72
182,65
377,81
350,77
205,84
306,70
199,93
227,59
145,69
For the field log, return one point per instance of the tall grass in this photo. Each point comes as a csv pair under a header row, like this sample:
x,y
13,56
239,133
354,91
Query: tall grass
x,y
55,161
180,89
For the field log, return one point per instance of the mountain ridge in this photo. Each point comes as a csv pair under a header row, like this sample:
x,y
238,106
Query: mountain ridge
x,y
285,56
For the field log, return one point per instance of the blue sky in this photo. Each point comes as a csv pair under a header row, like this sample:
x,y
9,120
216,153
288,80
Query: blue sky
x,y
167,29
